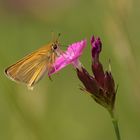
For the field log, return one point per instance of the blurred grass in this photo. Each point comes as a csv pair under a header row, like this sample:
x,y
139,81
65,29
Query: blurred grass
x,y
58,109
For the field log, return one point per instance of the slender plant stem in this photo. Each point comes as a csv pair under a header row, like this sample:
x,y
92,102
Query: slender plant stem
x,y
115,125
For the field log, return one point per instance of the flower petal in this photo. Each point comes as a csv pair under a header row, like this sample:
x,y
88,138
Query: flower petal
x,y
71,55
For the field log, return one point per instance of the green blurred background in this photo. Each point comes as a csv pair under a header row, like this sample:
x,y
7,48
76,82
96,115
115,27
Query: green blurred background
x,y
58,110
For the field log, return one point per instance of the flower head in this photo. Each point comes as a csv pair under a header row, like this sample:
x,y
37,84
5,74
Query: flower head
x,y
70,56
101,84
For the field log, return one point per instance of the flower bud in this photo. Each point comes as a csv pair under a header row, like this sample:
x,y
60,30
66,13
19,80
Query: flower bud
x,y
97,67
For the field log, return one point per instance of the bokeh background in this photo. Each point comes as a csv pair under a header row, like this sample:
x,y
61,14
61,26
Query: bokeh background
x,y
58,110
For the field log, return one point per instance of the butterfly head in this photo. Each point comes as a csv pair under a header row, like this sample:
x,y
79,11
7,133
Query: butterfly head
x,y
55,46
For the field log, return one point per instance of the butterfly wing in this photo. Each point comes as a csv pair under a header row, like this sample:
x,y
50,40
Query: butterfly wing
x,y
31,68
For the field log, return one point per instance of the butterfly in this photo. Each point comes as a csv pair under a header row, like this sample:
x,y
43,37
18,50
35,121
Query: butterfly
x,y
30,69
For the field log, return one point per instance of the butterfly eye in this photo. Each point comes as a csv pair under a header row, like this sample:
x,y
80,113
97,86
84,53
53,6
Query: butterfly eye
x,y
54,46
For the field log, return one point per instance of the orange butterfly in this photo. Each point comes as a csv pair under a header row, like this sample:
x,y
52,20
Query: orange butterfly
x,y
33,67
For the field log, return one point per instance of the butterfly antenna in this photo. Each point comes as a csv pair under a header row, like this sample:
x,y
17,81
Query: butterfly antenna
x,y
59,34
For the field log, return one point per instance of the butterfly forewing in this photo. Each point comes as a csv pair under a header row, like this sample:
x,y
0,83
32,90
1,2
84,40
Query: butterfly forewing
x,y
31,68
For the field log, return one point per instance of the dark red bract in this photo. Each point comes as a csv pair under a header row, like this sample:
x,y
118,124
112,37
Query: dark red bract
x,y
101,84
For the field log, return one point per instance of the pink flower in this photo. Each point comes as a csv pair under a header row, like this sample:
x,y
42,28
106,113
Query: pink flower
x,y
70,56
100,84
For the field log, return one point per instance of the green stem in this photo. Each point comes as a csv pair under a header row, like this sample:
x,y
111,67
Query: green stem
x,y
115,124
